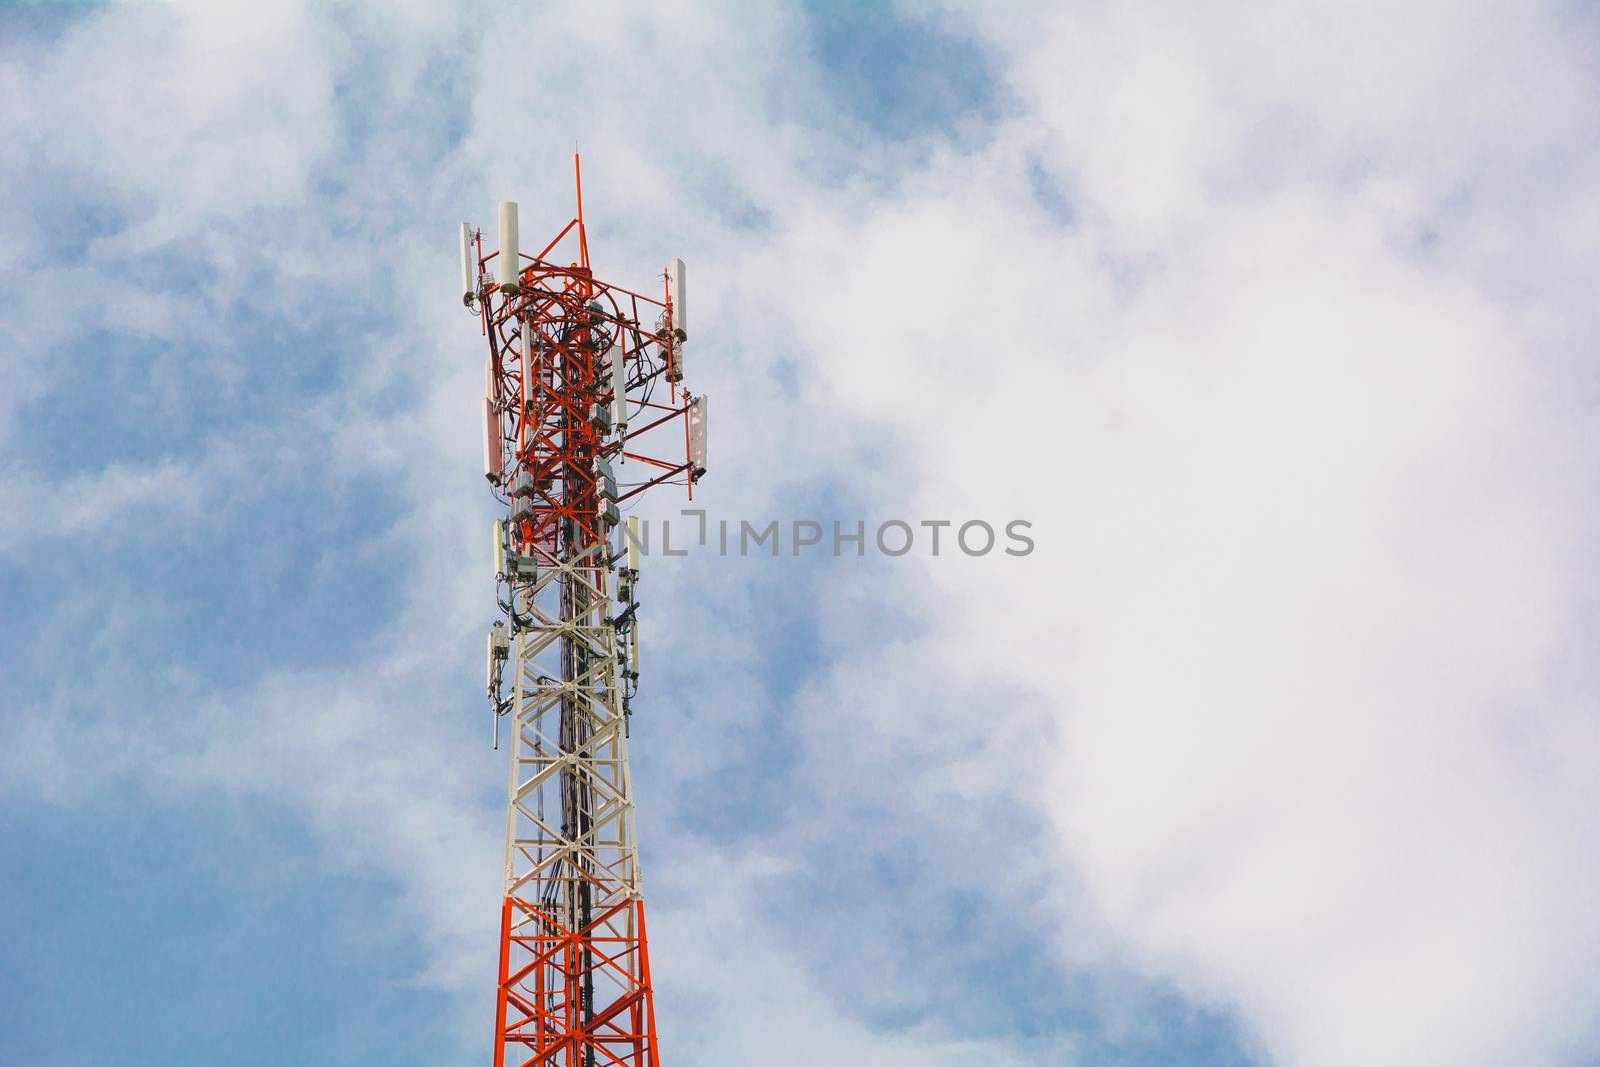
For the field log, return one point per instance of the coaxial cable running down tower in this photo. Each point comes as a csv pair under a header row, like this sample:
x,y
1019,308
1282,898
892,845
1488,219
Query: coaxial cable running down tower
x,y
583,387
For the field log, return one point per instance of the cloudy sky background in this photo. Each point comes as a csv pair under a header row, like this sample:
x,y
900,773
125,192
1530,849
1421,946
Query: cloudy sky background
x,y
1276,321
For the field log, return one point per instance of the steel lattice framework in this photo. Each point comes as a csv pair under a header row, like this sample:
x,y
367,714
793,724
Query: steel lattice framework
x,y
573,363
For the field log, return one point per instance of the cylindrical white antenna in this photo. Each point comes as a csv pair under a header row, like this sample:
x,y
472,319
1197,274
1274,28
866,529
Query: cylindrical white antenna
x,y
509,262
491,384
633,543
527,346
469,268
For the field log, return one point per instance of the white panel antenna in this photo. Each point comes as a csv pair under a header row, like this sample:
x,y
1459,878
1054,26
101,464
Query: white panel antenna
x,y
676,281
509,262
469,267
697,437
493,459
619,389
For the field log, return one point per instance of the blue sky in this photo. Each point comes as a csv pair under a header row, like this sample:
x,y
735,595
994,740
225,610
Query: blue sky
x,y
1199,782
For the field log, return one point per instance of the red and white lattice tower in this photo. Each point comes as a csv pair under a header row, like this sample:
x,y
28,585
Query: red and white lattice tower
x,y
584,409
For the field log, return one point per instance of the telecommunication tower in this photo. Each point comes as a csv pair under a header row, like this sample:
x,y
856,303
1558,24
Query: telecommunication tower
x,y
584,409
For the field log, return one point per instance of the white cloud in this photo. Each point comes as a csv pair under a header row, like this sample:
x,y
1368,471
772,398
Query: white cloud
x,y
1309,613
189,116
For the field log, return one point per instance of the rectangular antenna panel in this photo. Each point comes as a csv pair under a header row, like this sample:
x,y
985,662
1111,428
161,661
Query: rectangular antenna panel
x,y
509,262
697,436
619,388
469,267
493,459
676,280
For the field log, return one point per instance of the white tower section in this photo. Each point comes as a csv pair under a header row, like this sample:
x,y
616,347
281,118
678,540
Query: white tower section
x,y
569,828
